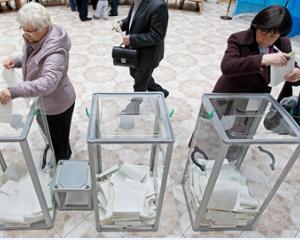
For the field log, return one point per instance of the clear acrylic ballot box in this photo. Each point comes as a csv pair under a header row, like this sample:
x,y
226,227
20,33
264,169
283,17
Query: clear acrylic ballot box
x,y
26,200
130,144
242,148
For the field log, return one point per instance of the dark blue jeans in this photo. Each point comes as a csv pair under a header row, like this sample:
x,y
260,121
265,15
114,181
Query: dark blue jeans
x,y
114,7
73,5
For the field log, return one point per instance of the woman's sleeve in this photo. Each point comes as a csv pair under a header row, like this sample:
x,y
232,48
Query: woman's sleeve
x,y
51,75
233,64
17,62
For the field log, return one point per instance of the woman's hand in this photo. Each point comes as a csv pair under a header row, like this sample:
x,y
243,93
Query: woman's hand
x,y
5,96
293,76
277,59
8,63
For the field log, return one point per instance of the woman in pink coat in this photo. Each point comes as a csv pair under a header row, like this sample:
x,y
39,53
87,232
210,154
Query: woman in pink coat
x,y
45,63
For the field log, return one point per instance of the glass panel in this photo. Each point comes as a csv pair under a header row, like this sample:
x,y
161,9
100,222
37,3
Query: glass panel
x,y
248,173
42,152
204,149
14,117
124,117
240,192
18,197
129,184
253,118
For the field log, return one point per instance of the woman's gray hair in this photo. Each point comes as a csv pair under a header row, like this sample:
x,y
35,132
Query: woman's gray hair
x,y
34,15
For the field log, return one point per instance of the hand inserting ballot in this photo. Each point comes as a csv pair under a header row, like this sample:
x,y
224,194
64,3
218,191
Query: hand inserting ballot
x,y
5,96
277,59
8,63
293,76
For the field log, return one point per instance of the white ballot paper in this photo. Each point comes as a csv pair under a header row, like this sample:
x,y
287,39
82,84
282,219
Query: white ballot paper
x,y
11,77
278,73
6,112
116,26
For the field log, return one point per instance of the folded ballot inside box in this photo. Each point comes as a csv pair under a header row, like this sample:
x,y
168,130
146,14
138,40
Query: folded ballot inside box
x,y
127,195
18,199
231,203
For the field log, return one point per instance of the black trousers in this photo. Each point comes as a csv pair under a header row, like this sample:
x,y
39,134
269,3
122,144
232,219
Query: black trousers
x,y
143,80
82,6
59,127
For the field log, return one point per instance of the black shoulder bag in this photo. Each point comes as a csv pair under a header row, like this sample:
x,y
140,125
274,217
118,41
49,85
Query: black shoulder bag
x,y
274,122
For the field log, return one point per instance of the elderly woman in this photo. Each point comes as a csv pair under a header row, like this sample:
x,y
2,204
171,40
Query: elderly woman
x,y
249,54
45,63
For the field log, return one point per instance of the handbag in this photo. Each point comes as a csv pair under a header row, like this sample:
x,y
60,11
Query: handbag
x,y
274,122
125,57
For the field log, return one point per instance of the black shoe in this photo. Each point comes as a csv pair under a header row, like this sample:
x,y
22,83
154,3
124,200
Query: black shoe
x,y
86,19
1,9
112,15
164,91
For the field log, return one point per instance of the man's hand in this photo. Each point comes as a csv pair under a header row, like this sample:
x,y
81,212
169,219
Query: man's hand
x,y
5,96
126,40
118,26
293,76
8,63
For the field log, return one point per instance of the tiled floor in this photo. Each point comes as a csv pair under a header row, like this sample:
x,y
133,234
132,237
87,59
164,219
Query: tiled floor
x,y
194,47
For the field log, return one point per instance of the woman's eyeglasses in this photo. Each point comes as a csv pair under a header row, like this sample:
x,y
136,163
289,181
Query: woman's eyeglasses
x,y
29,31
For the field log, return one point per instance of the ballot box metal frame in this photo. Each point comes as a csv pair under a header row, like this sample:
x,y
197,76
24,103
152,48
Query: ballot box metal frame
x,y
94,150
244,143
36,107
62,185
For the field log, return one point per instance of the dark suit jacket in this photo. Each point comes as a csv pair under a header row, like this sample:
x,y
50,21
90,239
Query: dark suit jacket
x,y
148,30
241,65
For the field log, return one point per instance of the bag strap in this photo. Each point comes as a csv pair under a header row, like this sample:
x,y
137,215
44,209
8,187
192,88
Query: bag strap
x,y
286,91
297,109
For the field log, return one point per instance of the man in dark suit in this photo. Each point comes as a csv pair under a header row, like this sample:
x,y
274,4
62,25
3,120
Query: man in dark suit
x,y
146,26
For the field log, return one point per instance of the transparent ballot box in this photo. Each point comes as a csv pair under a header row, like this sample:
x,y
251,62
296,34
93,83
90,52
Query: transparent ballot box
x,y
130,143
242,148
26,200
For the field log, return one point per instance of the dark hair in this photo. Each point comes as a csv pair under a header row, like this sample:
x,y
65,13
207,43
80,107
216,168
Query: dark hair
x,y
273,19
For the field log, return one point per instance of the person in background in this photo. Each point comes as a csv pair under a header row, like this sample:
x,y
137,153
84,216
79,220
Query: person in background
x,y
114,8
45,63
249,54
94,4
8,6
73,5
101,10
82,7
146,27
